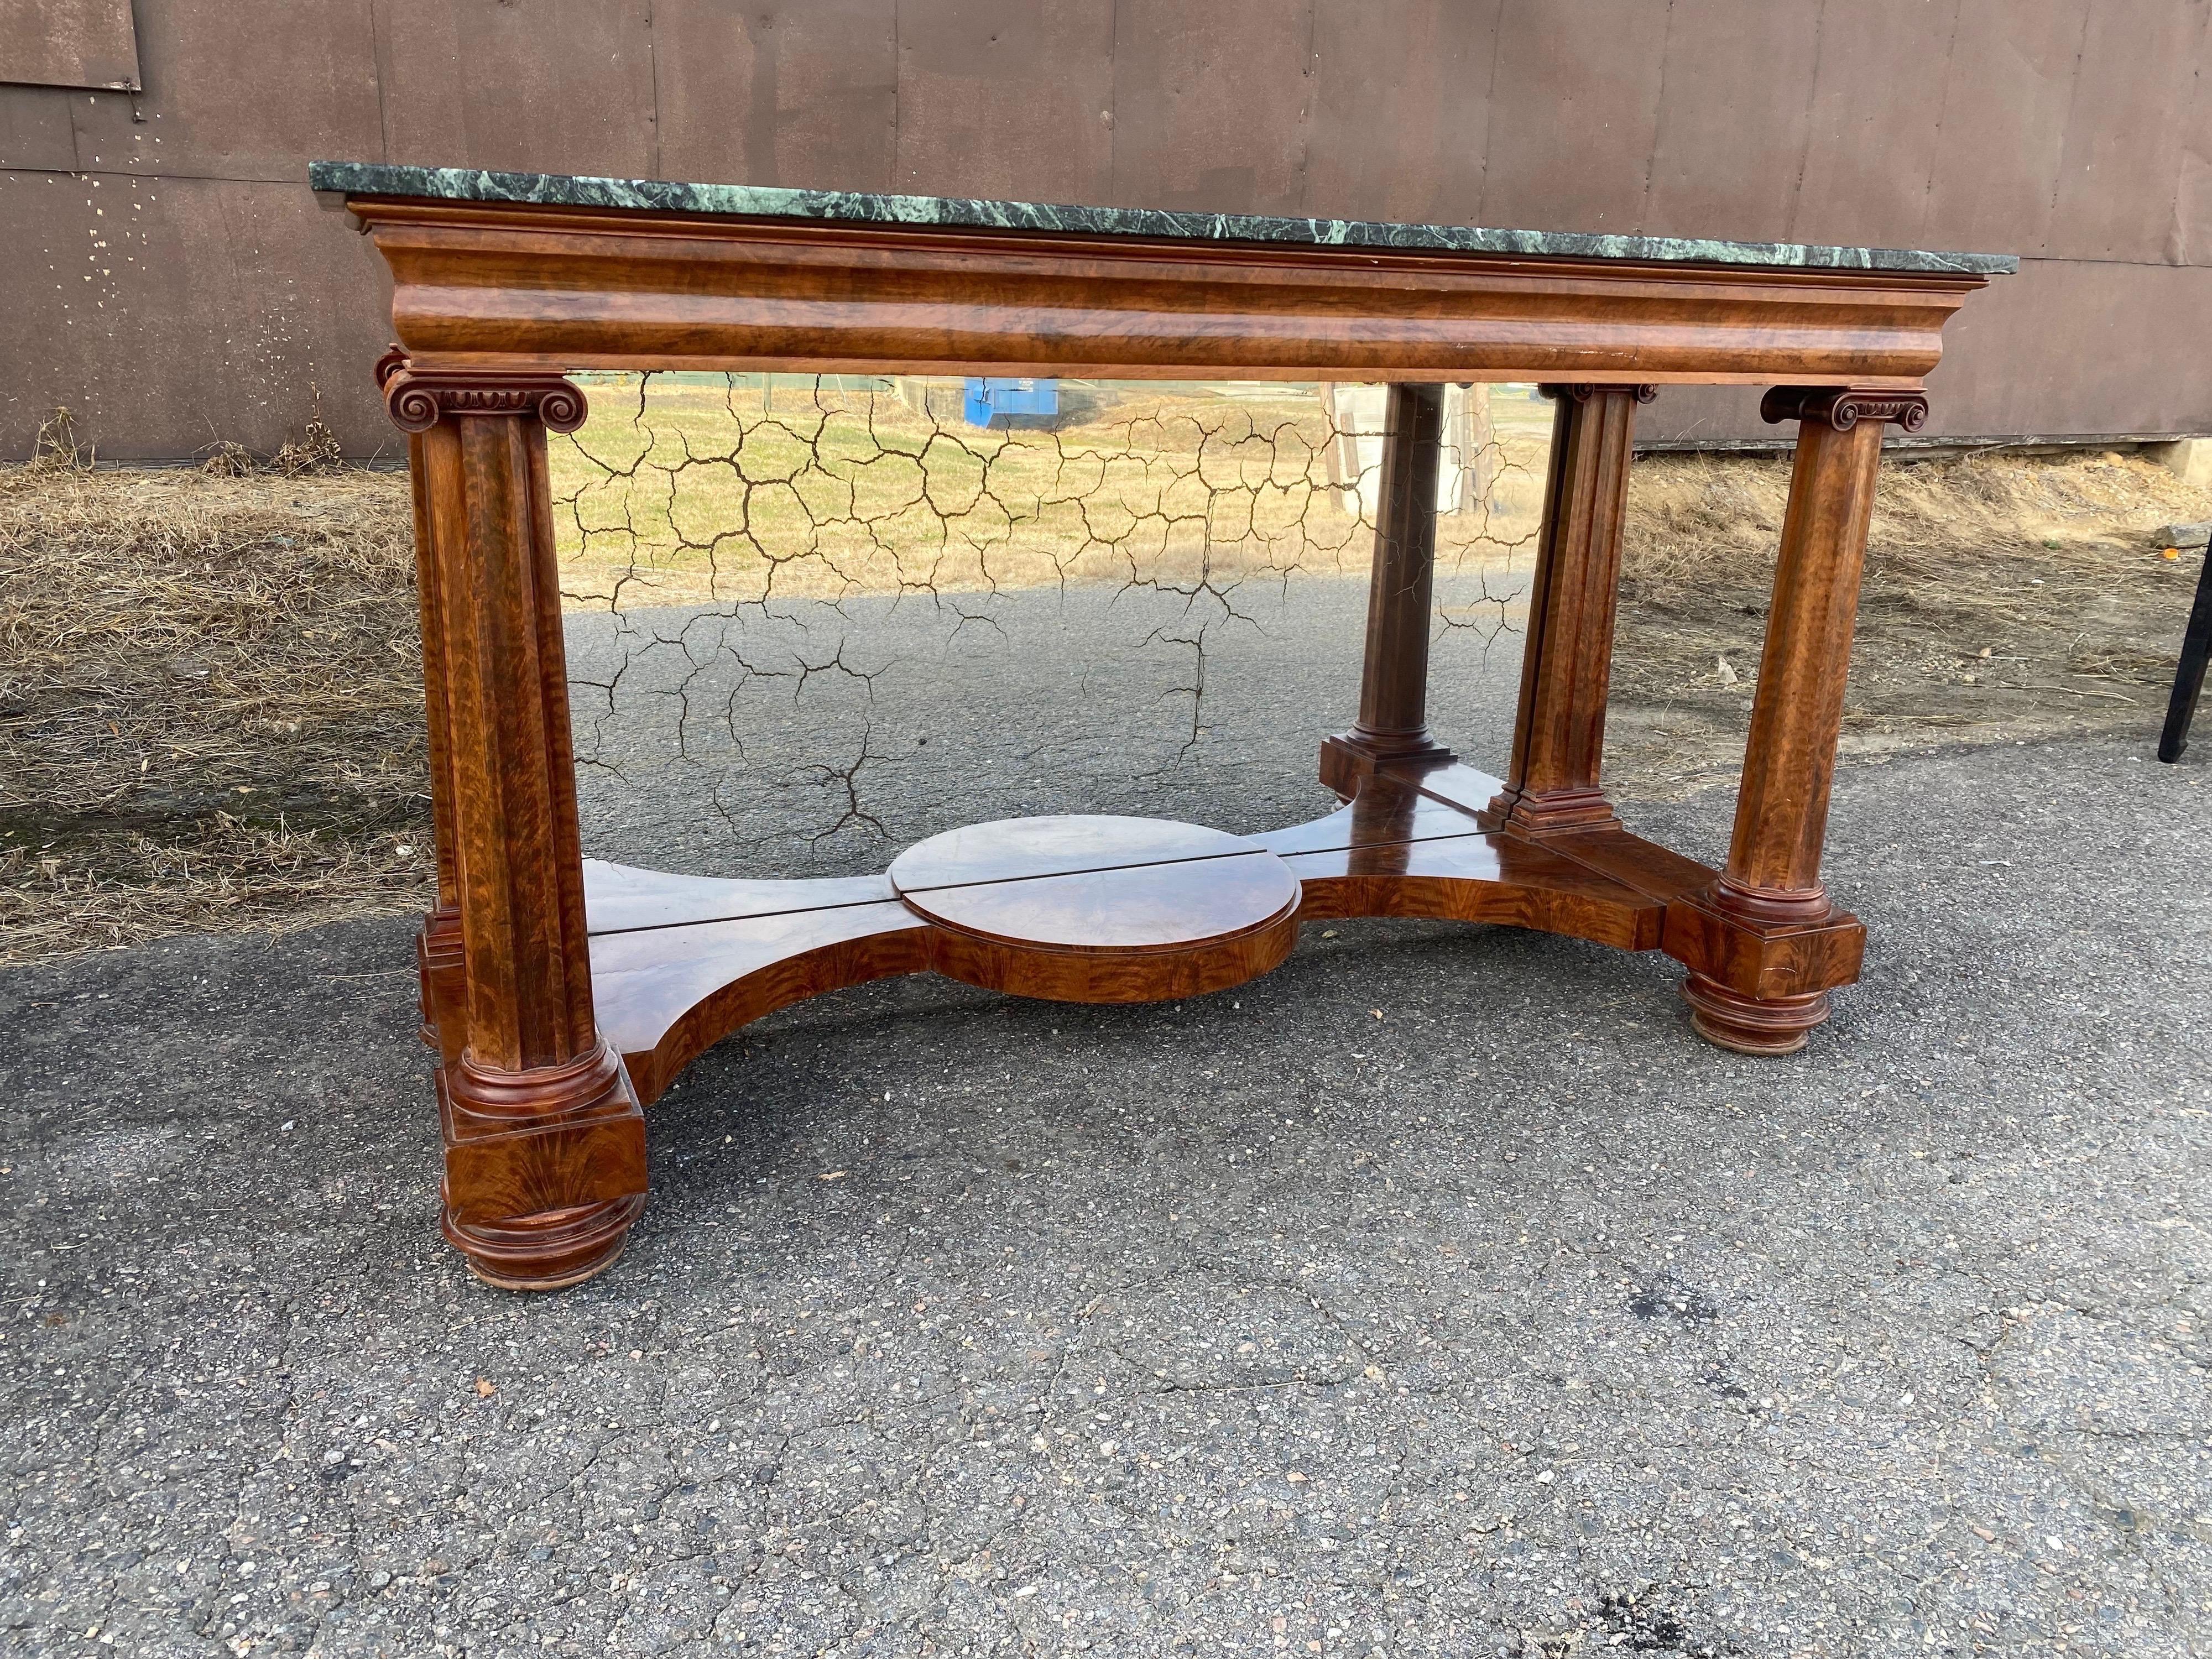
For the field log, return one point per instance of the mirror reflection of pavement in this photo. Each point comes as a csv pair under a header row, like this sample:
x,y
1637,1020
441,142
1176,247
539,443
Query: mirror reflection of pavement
x,y
1045,701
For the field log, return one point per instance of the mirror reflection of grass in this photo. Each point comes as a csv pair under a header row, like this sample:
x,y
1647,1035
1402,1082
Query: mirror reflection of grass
x,y
717,490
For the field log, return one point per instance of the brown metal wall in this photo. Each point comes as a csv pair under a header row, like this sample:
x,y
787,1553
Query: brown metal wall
x,y
170,278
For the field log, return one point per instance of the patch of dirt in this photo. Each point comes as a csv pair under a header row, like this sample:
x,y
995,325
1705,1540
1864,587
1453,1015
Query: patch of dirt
x,y
210,704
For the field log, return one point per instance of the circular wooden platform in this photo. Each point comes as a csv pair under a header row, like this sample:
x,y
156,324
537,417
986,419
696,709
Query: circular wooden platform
x,y
1089,908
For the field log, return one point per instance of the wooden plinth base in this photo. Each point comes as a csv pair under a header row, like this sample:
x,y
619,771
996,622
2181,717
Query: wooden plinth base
x,y
1348,761
1100,910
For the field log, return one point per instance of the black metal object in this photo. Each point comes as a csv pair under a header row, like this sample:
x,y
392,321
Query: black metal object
x,y
2189,674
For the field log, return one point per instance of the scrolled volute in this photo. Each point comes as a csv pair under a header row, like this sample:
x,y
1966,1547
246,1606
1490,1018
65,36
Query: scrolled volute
x,y
417,400
1583,392
1845,407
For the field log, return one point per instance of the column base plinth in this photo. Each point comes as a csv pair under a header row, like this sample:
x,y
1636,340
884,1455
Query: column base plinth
x,y
1549,812
1349,758
1752,1025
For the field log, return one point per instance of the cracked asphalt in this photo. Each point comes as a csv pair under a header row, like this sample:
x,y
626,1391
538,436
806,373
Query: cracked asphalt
x,y
1438,1291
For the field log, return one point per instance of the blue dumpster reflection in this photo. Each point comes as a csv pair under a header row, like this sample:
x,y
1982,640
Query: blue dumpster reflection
x,y
993,395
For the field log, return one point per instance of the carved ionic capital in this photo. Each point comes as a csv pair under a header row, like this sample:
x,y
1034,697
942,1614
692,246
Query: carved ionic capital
x,y
393,361
1583,392
1845,407
416,399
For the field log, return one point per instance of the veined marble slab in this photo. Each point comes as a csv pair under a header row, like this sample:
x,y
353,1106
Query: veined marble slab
x,y
861,207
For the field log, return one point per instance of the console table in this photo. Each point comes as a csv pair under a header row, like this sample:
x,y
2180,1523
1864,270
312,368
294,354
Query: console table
x,y
562,994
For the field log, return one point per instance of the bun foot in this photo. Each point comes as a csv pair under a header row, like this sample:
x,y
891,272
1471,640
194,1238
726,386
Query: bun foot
x,y
1752,1025
550,1251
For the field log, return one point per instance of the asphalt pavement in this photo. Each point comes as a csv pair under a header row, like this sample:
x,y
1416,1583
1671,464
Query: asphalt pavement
x,y
1439,1292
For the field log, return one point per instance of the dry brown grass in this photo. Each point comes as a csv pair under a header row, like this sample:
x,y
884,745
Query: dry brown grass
x,y
692,490
210,703
216,874
2006,596
1703,518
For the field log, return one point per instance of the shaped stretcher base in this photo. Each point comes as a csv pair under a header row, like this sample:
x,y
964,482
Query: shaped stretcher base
x,y
1099,909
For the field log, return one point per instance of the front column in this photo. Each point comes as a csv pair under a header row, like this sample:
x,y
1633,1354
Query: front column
x,y
1393,726
1558,734
544,1141
1763,944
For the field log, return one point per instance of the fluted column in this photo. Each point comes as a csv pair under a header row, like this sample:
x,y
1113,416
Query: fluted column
x,y
1566,666
1393,726
544,1142
1765,1002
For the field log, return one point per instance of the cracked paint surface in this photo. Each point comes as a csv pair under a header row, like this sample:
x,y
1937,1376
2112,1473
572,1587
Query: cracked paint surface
x,y
1437,1292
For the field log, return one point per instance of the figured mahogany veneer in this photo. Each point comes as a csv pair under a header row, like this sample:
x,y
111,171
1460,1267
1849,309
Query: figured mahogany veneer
x,y
563,996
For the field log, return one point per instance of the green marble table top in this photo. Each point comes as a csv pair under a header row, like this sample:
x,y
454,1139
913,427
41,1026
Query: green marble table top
x,y
344,179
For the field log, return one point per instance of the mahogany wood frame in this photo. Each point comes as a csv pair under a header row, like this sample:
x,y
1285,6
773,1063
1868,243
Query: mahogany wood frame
x,y
564,996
